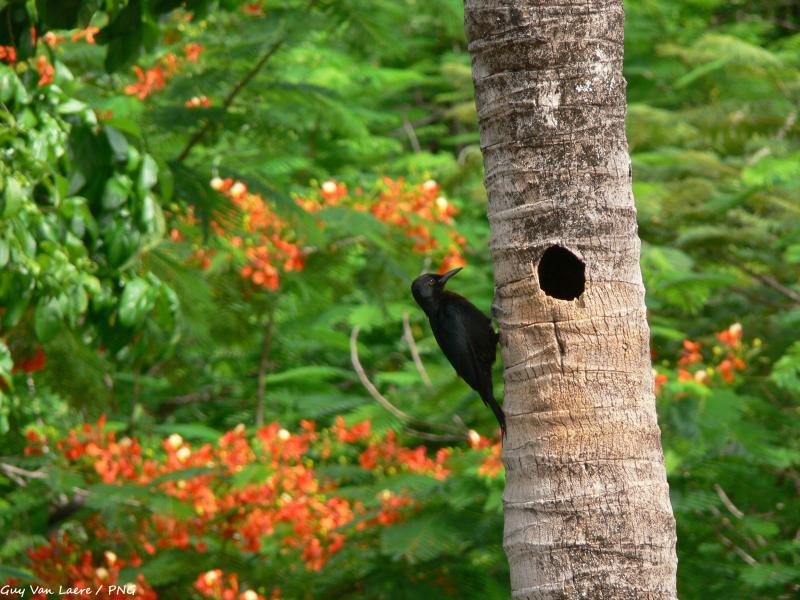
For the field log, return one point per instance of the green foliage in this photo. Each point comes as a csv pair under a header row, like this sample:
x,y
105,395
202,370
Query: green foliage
x,y
713,131
425,538
93,178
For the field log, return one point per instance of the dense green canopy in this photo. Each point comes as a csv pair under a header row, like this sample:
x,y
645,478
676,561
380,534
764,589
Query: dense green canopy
x,y
204,206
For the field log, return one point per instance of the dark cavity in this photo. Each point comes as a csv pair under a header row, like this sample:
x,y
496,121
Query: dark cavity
x,y
562,275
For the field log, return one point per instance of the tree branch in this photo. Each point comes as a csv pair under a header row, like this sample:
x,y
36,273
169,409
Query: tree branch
x,y
200,133
262,369
769,281
765,150
412,135
412,346
20,476
727,502
737,550
380,399
435,437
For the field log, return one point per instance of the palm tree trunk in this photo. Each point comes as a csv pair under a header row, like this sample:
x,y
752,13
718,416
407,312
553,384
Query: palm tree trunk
x,y
587,508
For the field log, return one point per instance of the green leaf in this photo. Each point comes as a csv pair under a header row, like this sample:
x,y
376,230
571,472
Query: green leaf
x,y
667,333
162,504
672,460
123,36
182,474
792,254
366,316
253,473
4,252
786,371
71,106
767,575
136,302
148,176
420,540
780,458
8,83
151,217
118,143
399,378
15,309
166,182
116,192
421,484
126,125
13,197
695,74
48,319
107,495
761,527
6,363
15,573
308,374
694,501
166,567
773,170
193,431
122,245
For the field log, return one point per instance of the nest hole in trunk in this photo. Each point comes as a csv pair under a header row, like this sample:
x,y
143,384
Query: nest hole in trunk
x,y
562,275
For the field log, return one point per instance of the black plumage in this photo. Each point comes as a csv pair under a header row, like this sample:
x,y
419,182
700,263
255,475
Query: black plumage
x,y
464,334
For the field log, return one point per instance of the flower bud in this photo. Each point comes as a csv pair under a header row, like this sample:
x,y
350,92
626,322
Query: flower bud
x,y
175,441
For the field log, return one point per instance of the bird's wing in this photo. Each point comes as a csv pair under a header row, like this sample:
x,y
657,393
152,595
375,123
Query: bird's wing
x,y
467,339
478,328
469,342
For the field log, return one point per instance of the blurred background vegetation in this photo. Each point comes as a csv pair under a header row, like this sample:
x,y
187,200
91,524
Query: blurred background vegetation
x,y
202,201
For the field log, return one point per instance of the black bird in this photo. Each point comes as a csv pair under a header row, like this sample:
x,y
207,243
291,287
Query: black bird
x,y
464,333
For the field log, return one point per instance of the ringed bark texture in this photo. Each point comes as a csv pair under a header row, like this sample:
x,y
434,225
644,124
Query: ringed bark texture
x,y
587,509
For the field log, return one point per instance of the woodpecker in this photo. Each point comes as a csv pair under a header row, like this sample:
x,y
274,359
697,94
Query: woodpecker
x,y
464,334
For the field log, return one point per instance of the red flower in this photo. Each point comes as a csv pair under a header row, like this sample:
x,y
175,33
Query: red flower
x,y
37,444
8,54
255,9
690,353
492,466
451,260
193,52
269,243
170,64
197,102
725,369
354,434
86,34
388,454
209,583
51,39
61,564
33,363
660,380
46,71
148,82
731,336
415,211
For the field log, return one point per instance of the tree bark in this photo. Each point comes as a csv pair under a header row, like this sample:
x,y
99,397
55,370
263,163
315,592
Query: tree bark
x,y
587,508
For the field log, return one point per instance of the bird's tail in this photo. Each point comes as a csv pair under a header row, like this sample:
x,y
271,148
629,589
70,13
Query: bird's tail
x,y
487,395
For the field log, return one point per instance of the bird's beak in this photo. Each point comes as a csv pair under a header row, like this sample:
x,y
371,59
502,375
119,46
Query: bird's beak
x,y
448,275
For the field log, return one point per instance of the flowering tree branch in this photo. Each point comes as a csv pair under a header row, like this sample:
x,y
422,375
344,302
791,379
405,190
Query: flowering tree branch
x,y
200,133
